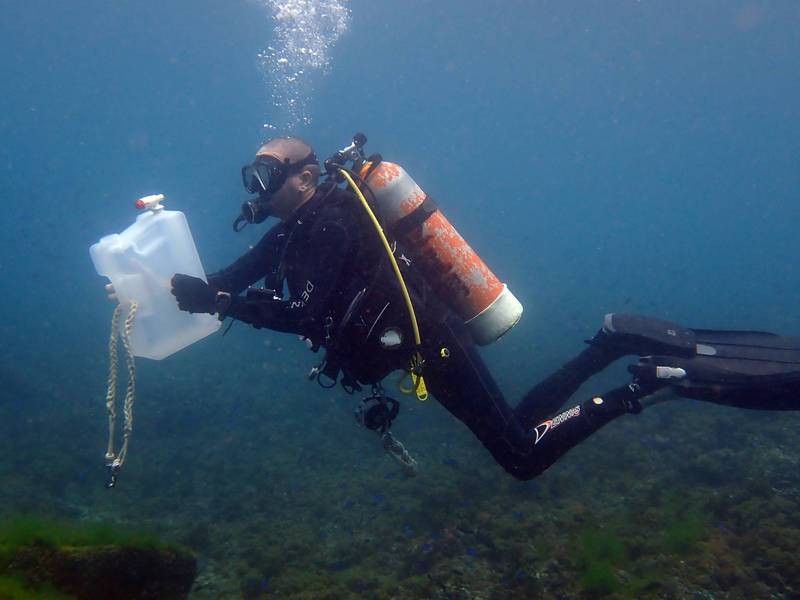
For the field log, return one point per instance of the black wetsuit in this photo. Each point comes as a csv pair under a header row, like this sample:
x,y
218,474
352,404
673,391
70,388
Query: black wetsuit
x,y
312,253
343,296
327,254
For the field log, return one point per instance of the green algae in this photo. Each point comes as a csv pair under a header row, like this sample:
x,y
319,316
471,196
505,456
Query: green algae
x,y
600,545
651,581
599,552
602,554
37,553
526,527
16,588
683,533
684,524
31,530
676,525
599,578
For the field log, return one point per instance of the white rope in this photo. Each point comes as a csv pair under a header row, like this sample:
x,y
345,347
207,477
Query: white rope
x,y
115,461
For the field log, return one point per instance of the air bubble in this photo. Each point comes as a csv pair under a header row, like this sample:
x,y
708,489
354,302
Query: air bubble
x,y
304,33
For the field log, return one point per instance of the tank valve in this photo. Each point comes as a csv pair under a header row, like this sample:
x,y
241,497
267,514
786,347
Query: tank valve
x,y
151,202
354,152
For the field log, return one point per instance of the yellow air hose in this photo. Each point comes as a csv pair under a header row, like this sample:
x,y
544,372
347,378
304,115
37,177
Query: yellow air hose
x,y
115,461
416,361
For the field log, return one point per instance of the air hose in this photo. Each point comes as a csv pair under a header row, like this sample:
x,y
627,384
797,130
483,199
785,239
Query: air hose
x,y
416,361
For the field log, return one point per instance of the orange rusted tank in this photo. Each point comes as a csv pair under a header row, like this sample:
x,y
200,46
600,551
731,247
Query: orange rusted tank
x,y
447,262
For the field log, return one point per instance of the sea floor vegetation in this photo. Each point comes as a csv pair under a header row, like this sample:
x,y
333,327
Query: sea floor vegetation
x,y
285,497
52,559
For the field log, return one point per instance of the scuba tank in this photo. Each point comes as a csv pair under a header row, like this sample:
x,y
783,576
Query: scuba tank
x,y
445,260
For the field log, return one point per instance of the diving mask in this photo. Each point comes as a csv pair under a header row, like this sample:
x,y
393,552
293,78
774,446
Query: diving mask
x,y
265,176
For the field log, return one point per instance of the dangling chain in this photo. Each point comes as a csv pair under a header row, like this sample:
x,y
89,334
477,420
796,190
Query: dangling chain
x,y
115,461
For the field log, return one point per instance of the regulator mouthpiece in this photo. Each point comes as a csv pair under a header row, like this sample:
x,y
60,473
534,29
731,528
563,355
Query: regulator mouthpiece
x,y
253,212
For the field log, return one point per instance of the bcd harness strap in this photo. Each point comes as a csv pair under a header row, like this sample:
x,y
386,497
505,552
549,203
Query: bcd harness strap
x,y
374,160
332,363
329,367
415,218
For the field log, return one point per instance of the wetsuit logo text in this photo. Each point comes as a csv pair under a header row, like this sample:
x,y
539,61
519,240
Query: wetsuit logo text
x,y
542,429
305,296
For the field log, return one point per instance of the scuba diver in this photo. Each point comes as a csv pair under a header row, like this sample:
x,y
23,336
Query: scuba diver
x,y
363,292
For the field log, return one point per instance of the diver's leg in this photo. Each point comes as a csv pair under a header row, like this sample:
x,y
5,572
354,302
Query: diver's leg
x,y
461,382
553,437
619,336
550,394
746,369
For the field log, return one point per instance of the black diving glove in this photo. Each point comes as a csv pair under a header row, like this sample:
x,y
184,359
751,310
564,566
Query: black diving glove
x,y
193,294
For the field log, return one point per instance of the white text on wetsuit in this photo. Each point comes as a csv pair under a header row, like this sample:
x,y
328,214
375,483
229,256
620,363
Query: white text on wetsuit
x,y
542,429
305,296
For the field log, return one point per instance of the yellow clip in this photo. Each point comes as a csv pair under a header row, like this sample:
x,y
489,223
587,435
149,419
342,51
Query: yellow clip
x,y
402,387
416,384
416,378
419,387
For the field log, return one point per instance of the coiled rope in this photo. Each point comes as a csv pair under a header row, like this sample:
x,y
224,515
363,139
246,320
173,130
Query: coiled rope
x,y
115,461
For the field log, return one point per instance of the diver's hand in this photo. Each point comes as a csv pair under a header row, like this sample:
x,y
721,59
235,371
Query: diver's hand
x,y
193,294
112,294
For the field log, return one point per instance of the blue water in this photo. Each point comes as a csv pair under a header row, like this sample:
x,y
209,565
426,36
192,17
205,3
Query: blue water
x,y
600,156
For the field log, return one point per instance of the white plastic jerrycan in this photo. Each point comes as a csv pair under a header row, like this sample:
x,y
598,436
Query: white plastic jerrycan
x,y
140,263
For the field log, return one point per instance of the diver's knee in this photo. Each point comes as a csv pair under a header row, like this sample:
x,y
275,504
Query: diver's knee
x,y
523,472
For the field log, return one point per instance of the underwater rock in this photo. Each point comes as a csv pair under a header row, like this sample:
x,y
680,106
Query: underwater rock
x,y
105,572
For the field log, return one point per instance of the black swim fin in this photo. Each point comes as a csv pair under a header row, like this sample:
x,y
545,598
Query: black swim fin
x,y
750,369
642,336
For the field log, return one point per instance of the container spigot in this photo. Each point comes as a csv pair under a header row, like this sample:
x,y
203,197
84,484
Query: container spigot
x,y
151,202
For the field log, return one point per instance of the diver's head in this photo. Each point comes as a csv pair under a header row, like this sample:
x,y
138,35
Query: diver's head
x,y
284,175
